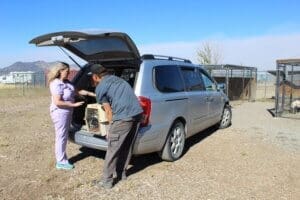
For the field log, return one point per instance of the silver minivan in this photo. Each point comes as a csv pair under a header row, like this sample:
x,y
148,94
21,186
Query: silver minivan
x,y
179,98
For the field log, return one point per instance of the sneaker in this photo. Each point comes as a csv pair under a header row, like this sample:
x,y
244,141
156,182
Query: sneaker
x,y
65,166
124,176
103,184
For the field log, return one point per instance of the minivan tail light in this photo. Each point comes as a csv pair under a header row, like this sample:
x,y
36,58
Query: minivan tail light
x,y
146,106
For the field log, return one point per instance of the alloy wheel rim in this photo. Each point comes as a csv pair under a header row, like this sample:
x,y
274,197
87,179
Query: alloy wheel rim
x,y
226,117
177,141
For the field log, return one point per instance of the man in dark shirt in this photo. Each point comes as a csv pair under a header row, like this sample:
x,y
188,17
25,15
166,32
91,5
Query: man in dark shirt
x,y
124,113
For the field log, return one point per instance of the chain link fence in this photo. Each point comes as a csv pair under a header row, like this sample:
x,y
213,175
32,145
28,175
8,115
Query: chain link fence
x,y
25,83
266,85
21,83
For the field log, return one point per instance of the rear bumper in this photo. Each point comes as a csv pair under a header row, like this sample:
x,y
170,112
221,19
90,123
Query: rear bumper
x,y
148,140
88,139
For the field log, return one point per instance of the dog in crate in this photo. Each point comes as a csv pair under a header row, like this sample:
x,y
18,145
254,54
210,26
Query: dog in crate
x,y
295,105
96,120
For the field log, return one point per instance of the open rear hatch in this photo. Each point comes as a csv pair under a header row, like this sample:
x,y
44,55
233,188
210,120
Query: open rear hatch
x,y
94,47
114,50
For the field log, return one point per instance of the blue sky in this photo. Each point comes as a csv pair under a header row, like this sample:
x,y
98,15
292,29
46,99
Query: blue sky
x,y
245,32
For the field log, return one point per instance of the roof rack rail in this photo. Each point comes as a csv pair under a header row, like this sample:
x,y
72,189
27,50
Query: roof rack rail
x,y
160,57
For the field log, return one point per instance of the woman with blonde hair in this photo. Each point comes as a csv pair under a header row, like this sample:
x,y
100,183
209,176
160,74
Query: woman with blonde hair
x,y
61,109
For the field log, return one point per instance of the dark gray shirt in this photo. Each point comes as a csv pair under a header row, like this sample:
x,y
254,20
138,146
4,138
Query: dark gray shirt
x,y
119,94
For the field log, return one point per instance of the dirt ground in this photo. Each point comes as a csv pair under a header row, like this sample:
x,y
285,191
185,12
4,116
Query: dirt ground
x,y
256,158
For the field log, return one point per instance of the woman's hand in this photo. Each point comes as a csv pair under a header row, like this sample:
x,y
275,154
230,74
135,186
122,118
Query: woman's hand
x,y
86,93
77,104
65,104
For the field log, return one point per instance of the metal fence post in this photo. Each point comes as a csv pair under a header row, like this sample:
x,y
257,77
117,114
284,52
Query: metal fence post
x,y
227,82
265,96
23,88
277,90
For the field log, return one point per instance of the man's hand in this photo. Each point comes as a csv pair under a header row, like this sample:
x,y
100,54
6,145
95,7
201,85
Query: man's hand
x,y
108,111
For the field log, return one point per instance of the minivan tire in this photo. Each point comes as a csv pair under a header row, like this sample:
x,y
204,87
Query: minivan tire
x,y
175,142
226,117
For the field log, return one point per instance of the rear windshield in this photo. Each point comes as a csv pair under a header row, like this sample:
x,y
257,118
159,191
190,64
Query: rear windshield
x,y
97,45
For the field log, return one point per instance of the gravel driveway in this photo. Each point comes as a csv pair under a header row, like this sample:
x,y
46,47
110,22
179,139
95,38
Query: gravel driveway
x,y
256,158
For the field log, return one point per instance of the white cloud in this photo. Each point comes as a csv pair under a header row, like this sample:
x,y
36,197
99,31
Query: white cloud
x,y
261,51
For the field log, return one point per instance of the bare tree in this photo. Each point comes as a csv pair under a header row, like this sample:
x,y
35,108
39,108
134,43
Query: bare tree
x,y
209,54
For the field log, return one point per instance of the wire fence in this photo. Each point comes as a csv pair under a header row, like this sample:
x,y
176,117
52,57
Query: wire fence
x,y
20,83
29,84
20,79
23,83
266,85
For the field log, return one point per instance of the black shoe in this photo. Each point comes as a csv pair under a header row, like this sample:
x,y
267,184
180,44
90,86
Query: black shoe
x,y
103,184
121,176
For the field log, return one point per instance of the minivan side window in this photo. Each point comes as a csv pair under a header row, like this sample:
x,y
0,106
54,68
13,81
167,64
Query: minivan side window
x,y
168,79
192,79
209,84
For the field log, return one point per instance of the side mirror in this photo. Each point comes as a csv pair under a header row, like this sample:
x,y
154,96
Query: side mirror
x,y
221,87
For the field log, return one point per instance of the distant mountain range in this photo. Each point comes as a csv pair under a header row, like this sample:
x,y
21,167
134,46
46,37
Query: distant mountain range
x,y
36,66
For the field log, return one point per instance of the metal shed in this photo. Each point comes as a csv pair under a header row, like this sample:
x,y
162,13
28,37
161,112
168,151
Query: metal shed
x,y
240,80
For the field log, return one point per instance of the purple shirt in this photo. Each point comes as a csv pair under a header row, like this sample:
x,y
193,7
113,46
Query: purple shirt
x,y
65,90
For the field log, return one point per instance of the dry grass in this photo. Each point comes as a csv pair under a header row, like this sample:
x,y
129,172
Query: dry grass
x,y
256,158
16,91
7,86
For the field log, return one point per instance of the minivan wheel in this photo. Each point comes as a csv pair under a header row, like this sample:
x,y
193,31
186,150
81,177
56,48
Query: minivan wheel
x,y
175,142
226,117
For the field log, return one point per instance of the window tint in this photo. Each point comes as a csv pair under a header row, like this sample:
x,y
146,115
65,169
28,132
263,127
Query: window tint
x,y
192,79
209,84
168,79
93,46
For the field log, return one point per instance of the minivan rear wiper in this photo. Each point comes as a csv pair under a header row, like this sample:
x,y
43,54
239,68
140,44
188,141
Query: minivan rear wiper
x,y
70,57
